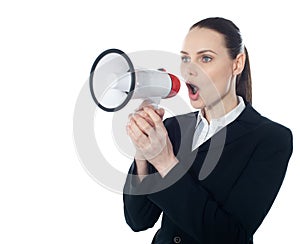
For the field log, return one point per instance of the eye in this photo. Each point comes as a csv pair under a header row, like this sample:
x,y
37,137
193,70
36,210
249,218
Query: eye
x,y
185,59
206,59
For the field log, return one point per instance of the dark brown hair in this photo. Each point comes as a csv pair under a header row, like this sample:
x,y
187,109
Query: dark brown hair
x,y
234,44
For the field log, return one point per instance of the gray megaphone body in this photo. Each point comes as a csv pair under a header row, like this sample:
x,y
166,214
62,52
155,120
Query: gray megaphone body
x,y
147,84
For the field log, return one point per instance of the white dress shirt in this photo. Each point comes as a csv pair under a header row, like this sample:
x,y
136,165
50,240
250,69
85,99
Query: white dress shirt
x,y
205,130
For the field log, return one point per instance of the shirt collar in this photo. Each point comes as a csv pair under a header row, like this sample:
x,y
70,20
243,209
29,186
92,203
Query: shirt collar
x,y
225,119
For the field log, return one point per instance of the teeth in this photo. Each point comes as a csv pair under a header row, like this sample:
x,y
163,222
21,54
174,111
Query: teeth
x,y
193,88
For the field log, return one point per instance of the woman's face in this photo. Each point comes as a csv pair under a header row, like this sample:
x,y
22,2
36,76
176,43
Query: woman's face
x,y
207,68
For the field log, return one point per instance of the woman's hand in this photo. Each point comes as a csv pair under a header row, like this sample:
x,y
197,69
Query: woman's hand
x,y
151,139
146,103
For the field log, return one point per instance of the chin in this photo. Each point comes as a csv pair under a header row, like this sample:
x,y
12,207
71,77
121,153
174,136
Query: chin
x,y
198,104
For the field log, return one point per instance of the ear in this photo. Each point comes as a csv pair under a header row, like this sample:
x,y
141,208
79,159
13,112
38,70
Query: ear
x,y
239,63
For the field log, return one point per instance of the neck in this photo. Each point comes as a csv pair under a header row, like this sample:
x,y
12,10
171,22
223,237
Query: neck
x,y
220,108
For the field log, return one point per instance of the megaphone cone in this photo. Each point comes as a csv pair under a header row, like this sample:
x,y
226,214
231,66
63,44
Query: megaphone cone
x,y
130,83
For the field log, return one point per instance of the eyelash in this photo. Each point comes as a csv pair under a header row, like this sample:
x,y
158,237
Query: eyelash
x,y
206,57
187,59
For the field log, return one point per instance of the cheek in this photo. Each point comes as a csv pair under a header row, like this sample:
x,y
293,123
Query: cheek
x,y
218,84
221,78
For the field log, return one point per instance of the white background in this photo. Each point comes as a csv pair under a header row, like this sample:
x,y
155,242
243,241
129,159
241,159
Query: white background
x,y
46,51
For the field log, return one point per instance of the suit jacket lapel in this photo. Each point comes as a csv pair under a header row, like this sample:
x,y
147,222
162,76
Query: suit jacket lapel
x,y
247,121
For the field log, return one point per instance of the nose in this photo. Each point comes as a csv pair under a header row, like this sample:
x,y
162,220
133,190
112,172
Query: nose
x,y
189,70
192,72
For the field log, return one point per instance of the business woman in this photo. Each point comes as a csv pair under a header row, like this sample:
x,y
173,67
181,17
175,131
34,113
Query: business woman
x,y
216,171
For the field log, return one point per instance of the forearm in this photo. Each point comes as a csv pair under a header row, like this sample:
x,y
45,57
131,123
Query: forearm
x,y
140,213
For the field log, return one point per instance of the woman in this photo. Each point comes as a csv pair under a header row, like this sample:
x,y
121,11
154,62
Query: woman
x,y
224,197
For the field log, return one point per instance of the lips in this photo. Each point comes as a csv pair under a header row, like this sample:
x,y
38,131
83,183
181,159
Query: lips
x,y
193,91
192,87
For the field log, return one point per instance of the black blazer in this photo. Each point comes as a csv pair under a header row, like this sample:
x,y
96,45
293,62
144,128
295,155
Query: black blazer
x,y
228,203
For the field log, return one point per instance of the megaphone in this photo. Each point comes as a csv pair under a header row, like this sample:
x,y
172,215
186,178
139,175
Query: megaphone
x,y
114,81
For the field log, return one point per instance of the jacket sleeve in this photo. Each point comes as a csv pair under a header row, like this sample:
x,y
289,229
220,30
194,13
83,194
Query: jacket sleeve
x,y
192,208
140,213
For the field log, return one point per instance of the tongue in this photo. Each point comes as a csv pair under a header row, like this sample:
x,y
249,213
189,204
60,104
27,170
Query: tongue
x,y
194,96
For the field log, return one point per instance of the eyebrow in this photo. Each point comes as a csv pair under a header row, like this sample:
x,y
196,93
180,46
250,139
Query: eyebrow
x,y
199,52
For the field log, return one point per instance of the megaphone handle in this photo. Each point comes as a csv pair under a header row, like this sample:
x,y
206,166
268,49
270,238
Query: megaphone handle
x,y
154,101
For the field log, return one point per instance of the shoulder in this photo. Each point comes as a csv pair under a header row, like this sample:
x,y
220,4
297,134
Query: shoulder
x,y
266,129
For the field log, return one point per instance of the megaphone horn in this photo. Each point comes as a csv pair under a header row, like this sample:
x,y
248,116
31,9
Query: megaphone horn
x,y
126,82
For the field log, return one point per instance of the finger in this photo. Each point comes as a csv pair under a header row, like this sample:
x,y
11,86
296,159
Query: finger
x,y
160,112
159,126
157,120
133,138
130,115
145,103
131,134
135,133
138,132
143,125
145,116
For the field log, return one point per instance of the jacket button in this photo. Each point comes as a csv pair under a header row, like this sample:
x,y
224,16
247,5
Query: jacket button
x,y
177,239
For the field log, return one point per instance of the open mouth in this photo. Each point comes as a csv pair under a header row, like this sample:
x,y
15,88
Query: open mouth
x,y
192,88
194,91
